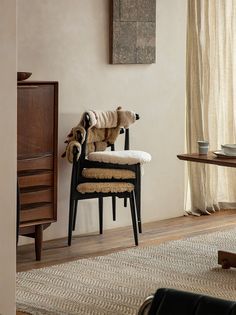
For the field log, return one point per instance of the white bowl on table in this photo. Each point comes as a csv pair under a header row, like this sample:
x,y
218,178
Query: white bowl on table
x,y
229,149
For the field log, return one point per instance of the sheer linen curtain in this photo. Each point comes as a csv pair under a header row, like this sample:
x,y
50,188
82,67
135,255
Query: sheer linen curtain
x,y
211,99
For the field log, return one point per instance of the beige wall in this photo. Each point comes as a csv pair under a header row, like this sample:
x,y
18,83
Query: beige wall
x,y
68,41
8,155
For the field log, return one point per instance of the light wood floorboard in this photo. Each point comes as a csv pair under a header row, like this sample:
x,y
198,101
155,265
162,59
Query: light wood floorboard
x,y
84,246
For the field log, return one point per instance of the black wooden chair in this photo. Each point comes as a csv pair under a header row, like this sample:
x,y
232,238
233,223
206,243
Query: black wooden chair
x,y
89,187
127,156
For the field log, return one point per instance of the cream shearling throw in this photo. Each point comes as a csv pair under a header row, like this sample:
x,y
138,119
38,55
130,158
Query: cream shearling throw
x,y
103,130
107,173
85,188
121,157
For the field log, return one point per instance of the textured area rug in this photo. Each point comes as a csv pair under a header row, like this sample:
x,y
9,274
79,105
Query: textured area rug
x,y
118,283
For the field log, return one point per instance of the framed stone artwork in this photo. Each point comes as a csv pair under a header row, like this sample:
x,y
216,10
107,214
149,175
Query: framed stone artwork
x,y
133,31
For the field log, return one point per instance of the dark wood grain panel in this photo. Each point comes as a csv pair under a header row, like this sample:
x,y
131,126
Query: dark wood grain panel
x,y
36,196
36,179
41,212
35,120
43,162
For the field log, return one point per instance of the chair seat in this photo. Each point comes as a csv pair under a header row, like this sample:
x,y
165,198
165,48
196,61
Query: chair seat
x,y
121,157
107,173
108,187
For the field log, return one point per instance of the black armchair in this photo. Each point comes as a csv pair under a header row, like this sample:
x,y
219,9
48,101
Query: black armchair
x,y
175,302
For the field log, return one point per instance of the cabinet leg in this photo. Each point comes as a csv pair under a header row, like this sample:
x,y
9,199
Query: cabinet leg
x,y
38,241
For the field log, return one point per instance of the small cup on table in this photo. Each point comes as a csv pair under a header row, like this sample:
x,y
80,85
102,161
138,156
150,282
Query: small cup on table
x,y
203,147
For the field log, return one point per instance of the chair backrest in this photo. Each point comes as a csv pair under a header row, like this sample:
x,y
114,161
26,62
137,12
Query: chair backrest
x,y
109,123
79,164
122,130
127,146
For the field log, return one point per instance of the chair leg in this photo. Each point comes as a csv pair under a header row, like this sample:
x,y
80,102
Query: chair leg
x,y
75,214
114,208
134,216
125,202
138,205
138,197
71,217
100,204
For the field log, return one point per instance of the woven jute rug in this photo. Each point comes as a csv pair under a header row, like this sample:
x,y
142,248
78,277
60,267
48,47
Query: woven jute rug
x,y
118,283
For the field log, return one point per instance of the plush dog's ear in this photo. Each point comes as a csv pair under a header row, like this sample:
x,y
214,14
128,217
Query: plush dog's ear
x,y
70,134
126,118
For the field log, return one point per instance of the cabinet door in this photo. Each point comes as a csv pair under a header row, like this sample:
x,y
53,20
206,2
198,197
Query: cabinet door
x,y
35,120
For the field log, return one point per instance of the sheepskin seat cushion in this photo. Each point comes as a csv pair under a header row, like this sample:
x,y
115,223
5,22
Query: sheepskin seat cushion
x,y
107,173
121,157
105,187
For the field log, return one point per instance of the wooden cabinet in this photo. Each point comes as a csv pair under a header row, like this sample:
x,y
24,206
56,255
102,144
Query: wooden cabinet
x,y
37,120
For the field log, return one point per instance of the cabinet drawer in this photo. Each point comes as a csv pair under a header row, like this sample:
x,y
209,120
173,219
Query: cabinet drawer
x,y
35,163
36,196
40,179
45,211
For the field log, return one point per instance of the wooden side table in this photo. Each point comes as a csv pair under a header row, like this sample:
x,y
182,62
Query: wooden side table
x,y
226,259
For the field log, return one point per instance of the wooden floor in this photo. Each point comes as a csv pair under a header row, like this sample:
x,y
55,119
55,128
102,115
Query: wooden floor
x,y
57,251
